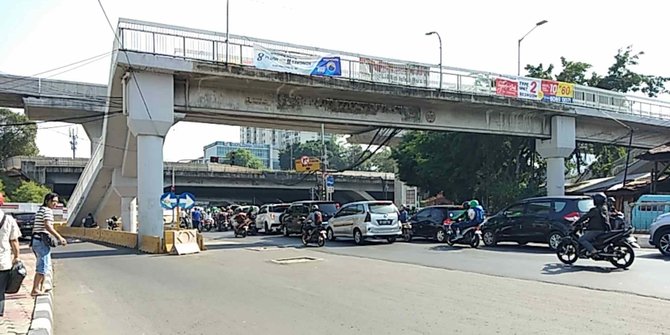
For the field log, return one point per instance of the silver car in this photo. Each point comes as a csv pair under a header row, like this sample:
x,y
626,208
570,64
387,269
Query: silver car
x,y
365,220
659,233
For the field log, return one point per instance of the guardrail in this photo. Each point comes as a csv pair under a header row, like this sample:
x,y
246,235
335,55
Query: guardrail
x,y
91,168
212,46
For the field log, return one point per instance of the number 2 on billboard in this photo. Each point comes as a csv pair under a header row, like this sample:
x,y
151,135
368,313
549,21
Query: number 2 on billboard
x,y
533,87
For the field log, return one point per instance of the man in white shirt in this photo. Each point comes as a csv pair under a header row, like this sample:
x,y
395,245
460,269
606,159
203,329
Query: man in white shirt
x,y
9,250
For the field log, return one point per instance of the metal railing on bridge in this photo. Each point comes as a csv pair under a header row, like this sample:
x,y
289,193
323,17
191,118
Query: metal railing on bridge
x,y
212,46
90,171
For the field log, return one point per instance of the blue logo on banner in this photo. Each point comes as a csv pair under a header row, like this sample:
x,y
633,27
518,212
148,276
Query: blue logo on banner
x,y
328,66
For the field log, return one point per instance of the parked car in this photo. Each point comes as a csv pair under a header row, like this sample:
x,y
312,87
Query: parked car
x,y
25,221
659,233
539,220
269,216
431,222
365,220
291,220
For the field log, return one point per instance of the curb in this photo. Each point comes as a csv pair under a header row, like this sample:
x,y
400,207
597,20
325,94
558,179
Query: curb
x,y
42,323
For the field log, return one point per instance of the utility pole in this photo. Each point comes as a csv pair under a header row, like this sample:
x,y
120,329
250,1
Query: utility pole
x,y
228,29
73,141
324,162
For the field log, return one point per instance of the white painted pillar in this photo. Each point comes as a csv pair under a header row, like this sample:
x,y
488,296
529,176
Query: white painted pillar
x,y
555,150
150,98
129,214
150,184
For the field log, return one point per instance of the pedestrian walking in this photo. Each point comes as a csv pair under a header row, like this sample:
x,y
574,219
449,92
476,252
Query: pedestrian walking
x,y
42,241
9,250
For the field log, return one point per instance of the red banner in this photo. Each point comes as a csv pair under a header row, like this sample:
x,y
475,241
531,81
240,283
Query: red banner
x,y
549,87
507,88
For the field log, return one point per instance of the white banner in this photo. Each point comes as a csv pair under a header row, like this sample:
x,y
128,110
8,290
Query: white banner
x,y
293,62
403,74
530,88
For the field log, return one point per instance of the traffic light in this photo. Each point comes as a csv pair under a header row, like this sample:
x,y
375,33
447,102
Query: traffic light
x,y
232,158
213,159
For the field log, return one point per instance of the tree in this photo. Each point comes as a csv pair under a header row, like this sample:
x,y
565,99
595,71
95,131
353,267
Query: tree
x,y
17,136
245,158
2,191
383,161
619,78
30,191
494,169
312,149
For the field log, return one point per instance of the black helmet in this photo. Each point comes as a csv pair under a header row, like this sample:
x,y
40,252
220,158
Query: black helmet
x,y
466,204
599,199
315,207
610,201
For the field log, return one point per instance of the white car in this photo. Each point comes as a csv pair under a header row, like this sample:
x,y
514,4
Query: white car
x,y
365,220
659,233
268,217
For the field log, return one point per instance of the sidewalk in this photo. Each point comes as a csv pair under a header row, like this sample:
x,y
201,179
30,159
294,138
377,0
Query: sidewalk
x,y
19,306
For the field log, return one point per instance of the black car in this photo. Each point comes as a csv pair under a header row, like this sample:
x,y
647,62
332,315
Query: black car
x,y
25,221
540,220
291,223
431,222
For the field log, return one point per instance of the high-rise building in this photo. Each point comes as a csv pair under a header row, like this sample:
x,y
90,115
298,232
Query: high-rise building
x,y
278,138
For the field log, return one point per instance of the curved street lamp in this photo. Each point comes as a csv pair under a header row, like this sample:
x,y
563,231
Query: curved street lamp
x,y
440,64
518,53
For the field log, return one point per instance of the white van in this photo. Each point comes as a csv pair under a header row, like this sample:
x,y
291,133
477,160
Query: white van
x,y
365,220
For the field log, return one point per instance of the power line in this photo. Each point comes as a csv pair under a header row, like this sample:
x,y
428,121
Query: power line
x,y
84,63
84,118
116,37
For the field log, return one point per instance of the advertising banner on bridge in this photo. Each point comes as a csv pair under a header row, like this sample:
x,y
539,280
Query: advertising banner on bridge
x,y
298,63
530,89
535,89
557,91
401,74
507,87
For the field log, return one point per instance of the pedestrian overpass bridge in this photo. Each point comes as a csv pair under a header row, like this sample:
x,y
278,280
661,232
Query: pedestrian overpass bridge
x,y
161,74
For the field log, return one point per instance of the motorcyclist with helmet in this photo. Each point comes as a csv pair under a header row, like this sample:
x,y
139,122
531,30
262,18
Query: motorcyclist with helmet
x,y
474,215
597,222
315,219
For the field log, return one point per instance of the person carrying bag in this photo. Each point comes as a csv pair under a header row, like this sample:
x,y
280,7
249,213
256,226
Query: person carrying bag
x,y
43,241
9,254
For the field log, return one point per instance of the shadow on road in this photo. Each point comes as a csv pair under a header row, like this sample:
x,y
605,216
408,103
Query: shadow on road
x,y
112,251
530,249
656,256
446,247
557,269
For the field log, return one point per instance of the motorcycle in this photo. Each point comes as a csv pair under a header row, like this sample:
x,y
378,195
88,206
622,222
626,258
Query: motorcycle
x,y
612,246
470,236
317,235
208,225
406,231
112,223
242,230
222,224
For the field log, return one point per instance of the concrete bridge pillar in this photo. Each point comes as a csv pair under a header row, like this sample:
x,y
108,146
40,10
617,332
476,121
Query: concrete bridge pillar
x,y
150,101
555,150
126,189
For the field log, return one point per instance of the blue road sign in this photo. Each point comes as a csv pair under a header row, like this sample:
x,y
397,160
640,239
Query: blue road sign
x,y
169,200
186,200
330,181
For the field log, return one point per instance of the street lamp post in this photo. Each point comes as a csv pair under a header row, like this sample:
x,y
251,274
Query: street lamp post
x,y
440,64
518,52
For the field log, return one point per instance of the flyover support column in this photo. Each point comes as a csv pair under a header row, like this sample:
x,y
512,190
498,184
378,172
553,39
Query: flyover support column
x,y
129,214
555,150
150,98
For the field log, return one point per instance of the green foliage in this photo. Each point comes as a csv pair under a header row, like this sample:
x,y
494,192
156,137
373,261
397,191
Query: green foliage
x,y
16,140
619,78
350,157
494,169
245,158
30,191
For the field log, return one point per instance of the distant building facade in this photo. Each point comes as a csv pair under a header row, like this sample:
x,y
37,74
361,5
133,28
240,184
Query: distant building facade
x,y
261,151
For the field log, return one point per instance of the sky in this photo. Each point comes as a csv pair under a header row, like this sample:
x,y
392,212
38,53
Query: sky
x,y
40,35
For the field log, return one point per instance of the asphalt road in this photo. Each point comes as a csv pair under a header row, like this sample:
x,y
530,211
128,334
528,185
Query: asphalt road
x,y
235,288
647,277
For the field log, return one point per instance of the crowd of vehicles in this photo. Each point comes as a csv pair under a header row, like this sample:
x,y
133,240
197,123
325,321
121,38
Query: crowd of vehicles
x,y
546,220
